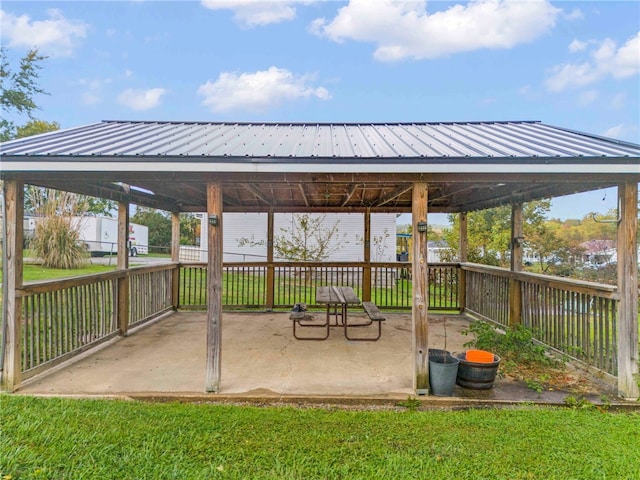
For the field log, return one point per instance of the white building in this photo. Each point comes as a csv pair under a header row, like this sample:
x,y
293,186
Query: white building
x,y
245,236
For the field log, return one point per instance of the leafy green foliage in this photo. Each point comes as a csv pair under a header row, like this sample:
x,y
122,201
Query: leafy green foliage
x,y
189,229
516,344
159,225
100,206
308,239
578,403
36,127
411,403
17,90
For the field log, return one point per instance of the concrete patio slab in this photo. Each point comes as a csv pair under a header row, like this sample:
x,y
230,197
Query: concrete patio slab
x,y
261,359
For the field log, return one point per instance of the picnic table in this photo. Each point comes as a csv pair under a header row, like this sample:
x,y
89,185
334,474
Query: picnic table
x,y
337,300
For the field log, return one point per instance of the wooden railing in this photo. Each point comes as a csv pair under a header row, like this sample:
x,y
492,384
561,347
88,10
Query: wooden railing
x,y
149,292
576,318
62,318
487,293
246,285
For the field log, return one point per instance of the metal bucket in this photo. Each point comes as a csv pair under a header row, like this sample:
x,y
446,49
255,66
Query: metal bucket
x,y
443,371
437,351
477,376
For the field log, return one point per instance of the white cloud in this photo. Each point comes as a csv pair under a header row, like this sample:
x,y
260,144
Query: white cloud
x,y
251,13
258,91
56,36
406,30
141,99
575,14
605,60
577,46
91,89
621,132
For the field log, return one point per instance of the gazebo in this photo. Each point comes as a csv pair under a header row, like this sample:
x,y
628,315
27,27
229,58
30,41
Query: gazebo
x,y
415,168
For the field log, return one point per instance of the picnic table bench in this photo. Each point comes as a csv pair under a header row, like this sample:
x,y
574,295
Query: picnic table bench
x,y
337,300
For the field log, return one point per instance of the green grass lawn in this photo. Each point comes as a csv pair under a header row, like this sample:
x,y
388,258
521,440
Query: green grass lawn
x,y
71,439
34,272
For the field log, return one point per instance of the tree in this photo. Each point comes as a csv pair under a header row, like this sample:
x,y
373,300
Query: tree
x,y
308,240
36,127
17,90
159,225
189,229
305,240
489,231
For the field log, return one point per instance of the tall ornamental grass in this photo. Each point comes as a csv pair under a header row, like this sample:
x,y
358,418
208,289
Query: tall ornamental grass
x,y
57,237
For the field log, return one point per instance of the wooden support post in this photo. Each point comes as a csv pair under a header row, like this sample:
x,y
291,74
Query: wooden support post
x,y
175,258
366,273
463,255
12,282
271,276
628,291
123,264
517,238
214,287
420,290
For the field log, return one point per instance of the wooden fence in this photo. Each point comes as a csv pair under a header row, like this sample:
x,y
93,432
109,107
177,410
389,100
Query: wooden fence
x,y
573,317
246,285
62,318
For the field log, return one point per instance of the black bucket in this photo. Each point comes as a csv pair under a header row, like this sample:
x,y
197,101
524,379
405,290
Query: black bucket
x,y
477,376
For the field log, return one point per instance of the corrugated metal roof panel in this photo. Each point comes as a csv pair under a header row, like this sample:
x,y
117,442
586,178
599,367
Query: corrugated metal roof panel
x,y
321,140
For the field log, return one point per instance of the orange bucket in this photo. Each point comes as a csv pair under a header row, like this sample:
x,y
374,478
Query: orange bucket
x,y
479,356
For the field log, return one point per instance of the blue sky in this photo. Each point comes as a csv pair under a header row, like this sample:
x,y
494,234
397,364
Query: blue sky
x,y
571,64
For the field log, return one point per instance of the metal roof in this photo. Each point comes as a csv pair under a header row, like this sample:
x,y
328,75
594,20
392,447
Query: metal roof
x,y
320,166
480,141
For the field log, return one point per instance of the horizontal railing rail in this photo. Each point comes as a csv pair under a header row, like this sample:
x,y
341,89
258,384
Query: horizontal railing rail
x,y
64,317
574,317
245,285
150,292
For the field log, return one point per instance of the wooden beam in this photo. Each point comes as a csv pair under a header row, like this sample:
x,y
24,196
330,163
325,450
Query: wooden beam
x,y
350,194
420,287
393,195
366,273
258,194
123,264
12,282
271,275
463,255
628,291
214,288
517,238
175,257
304,194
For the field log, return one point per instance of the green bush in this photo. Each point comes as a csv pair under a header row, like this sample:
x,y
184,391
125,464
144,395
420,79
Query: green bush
x,y
515,345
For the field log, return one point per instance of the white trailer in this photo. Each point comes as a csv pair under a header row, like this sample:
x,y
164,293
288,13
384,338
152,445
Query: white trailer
x,y
100,236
